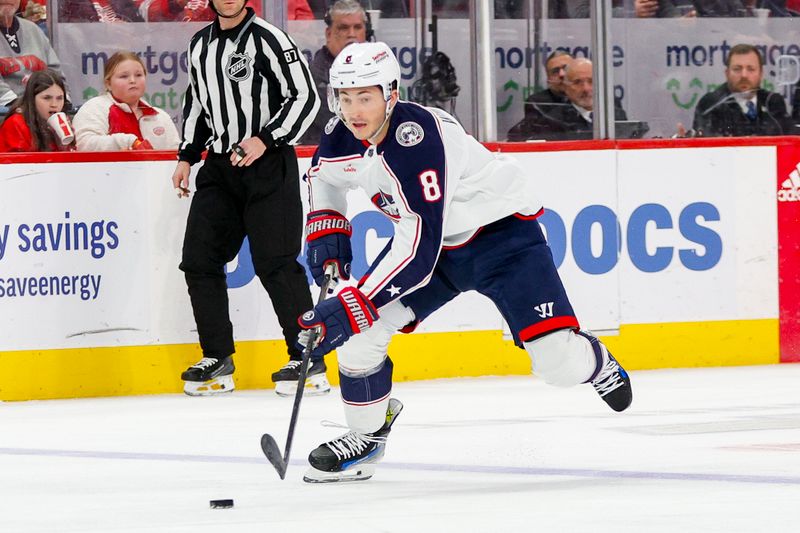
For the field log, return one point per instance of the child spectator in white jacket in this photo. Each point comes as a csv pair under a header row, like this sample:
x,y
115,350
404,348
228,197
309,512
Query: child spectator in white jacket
x,y
120,119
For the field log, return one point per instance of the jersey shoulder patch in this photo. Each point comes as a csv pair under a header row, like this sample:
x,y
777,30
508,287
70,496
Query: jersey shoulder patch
x,y
415,129
409,133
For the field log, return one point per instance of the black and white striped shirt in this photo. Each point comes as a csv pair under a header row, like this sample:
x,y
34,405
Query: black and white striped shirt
x,y
247,81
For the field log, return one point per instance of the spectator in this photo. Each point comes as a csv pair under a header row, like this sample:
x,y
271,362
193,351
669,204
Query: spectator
x,y
719,8
121,119
572,120
385,8
346,23
202,10
654,8
299,10
36,12
98,11
739,107
23,51
542,102
175,10
25,128
555,94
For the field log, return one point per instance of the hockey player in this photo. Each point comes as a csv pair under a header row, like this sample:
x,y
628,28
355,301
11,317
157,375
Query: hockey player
x,y
464,220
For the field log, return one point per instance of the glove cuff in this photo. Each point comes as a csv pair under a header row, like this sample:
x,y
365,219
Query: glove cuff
x,y
326,222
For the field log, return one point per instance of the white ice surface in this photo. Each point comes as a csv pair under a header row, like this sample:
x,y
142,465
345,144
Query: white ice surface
x,y
699,451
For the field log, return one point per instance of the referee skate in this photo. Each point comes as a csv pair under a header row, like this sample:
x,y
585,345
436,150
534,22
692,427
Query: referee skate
x,y
286,378
209,376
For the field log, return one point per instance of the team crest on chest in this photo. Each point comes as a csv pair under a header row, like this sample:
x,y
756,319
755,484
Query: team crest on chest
x,y
239,67
385,203
409,134
331,124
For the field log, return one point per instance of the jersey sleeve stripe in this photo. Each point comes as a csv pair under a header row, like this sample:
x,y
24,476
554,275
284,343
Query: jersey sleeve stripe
x,y
415,245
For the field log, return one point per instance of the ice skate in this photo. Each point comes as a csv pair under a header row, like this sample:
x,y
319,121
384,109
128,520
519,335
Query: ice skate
x,y
286,379
612,382
351,457
209,376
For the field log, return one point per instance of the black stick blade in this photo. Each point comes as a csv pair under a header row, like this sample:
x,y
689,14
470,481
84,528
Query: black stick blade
x,y
273,453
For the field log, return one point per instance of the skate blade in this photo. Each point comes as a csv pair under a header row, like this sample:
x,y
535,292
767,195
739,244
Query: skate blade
x,y
361,472
212,387
315,386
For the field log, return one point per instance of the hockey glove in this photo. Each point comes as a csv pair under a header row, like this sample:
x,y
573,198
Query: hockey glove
x,y
328,236
338,319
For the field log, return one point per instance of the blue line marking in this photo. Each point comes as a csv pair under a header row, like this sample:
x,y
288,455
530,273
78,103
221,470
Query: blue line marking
x,y
426,467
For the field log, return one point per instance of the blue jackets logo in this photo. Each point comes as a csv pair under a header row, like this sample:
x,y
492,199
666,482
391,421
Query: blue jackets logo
x,y
409,134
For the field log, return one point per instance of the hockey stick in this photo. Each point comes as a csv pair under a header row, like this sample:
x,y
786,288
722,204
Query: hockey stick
x,y
268,444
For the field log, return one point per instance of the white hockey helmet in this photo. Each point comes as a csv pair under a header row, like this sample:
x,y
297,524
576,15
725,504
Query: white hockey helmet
x,y
363,65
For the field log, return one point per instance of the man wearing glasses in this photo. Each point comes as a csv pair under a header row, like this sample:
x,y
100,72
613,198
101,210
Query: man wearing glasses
x,y
545,101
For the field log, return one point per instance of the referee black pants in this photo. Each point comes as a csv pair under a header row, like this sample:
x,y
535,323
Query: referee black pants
x,y
263,202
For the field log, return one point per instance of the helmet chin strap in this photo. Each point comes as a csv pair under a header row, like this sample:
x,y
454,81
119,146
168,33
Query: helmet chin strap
x,y
389,108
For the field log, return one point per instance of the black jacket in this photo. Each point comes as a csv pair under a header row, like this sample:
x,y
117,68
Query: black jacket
x,y
556,122
542,102
718,114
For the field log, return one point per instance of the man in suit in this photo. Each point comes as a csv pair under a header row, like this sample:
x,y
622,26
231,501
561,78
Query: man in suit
x,y
572,120
556,67
739,107
542,102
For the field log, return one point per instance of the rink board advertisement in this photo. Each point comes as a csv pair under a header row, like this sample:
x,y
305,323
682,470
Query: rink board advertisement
x,y
678,245
789,244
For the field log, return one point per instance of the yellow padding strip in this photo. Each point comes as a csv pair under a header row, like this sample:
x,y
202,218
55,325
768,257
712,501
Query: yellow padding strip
x,y
119,371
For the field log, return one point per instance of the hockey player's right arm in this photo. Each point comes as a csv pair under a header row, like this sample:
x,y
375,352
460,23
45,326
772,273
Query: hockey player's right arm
x,y
327,229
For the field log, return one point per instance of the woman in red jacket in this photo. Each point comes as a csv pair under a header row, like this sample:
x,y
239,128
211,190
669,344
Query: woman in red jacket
x,y
25,127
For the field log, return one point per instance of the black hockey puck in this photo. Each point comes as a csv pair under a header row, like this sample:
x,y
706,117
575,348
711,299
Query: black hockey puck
x,y
221,504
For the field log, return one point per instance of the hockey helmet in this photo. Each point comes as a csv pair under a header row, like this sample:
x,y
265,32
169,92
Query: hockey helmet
x,y
363,65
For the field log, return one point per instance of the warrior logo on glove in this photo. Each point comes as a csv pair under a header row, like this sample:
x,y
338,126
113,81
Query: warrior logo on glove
x,y
350,313
359,320
328,236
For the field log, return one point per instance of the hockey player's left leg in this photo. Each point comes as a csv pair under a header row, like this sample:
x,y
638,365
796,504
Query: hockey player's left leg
x,y
565,358
365,380
352,456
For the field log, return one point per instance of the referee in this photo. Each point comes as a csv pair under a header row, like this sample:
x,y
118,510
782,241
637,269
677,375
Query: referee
x,y
250,97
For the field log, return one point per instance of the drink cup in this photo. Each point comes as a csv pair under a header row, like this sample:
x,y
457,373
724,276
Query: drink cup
x,y
374,17
761,13
60,124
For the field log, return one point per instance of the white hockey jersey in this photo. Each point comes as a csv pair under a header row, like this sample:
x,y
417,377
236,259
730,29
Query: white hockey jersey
x,y
437,183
